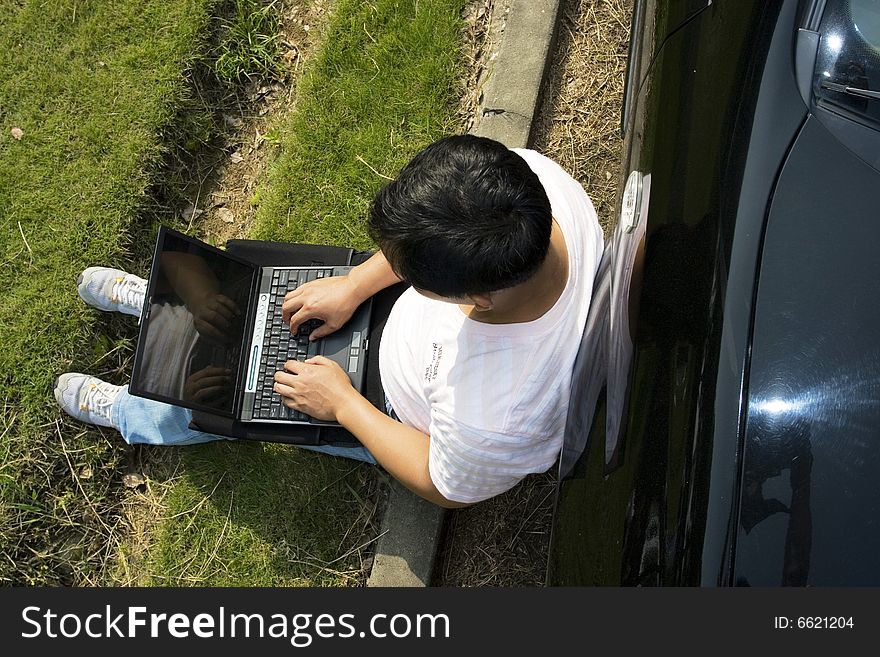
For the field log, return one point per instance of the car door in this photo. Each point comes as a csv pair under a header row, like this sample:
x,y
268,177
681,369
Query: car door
x,y
649,469
811,456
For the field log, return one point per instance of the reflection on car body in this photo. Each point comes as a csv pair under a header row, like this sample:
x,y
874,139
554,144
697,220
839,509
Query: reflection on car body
x,y
733,434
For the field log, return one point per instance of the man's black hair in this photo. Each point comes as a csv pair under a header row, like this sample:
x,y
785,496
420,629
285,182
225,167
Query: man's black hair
x,y
465,216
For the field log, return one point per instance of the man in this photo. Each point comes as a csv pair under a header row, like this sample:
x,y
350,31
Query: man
x,y
500,248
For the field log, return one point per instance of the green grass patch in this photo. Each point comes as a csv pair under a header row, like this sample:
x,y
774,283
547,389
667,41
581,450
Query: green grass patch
x,y
381,88
249,44
268,515
91,107
86,91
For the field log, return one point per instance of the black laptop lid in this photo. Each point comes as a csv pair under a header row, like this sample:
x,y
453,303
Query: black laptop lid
x,y
193,324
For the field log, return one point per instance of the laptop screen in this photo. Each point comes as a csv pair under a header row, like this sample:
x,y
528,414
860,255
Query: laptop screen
x,y
193,325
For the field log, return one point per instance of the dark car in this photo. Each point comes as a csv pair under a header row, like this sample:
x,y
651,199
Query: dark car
x,y
724,426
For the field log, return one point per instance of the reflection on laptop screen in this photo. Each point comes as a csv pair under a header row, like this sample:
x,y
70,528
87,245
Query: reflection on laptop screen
x,y
196,319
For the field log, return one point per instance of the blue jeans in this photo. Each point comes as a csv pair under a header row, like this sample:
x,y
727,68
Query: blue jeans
x,y
146,422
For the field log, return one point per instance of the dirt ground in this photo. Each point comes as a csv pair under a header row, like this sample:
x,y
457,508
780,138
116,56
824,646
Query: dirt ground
x,y
504,541
226,211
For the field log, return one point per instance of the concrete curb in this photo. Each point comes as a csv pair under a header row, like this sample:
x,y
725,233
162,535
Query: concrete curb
x,y
411,527
517,75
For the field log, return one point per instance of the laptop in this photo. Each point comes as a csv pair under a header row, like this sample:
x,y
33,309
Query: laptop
x,y
211,335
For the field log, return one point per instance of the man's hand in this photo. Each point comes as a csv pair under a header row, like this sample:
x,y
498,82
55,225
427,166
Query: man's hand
x,y
332,300
317,387
213,315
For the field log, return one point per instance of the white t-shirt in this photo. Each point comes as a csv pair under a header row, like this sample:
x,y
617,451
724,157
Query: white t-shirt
x,y
493,397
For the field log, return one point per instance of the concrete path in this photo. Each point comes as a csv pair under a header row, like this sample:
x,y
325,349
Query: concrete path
x,y
411,527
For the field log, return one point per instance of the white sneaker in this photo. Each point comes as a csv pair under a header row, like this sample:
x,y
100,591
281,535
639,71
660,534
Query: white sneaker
x,y
112,290
86,398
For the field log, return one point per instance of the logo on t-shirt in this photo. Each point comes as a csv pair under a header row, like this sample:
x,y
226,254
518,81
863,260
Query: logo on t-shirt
x,y
436,355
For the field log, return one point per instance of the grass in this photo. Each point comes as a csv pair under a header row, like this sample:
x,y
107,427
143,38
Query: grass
x,y
97,118
221,526
381,87
89,86
580,126
249,45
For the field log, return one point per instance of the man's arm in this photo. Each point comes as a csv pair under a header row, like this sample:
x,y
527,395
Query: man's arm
x,y
320,388
400,449
188,275
372,276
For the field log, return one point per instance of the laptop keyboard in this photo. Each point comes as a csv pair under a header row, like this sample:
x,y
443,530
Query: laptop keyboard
x,y
280,345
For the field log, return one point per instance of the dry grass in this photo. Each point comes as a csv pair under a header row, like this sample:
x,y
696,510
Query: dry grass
x,y
580,122
504,541
143,509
